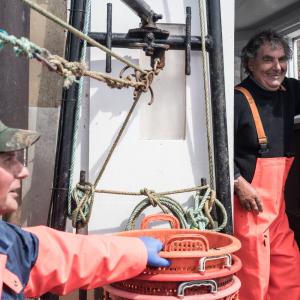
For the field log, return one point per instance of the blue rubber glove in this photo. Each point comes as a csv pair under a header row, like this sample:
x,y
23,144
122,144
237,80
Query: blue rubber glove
x,y
153,247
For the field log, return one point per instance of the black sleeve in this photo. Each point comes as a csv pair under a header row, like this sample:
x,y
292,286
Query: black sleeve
x,y
237,172
245,138
293,86
297,104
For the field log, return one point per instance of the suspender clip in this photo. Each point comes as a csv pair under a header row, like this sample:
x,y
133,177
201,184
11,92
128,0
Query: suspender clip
x,y
263,149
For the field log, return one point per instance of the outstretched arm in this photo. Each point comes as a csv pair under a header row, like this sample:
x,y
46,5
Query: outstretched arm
x,y
67,261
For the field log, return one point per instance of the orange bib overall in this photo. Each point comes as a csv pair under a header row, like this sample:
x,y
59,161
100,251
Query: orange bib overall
x,y
269,253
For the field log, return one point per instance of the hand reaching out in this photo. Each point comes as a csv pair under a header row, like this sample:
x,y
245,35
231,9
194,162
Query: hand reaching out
x,y
153,247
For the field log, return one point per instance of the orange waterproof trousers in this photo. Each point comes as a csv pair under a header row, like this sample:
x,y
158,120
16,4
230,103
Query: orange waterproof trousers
x,y
269,253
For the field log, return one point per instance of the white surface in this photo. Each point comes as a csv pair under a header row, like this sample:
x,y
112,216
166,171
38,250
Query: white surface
x,y
37,188
154,163
166,117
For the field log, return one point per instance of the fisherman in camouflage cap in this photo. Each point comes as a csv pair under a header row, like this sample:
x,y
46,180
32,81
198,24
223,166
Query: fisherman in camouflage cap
x,y
14,139
37,260
12,170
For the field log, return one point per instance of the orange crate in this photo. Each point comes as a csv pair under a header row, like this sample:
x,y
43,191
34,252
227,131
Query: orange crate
x,y
218,273
229,293
168,284
189,250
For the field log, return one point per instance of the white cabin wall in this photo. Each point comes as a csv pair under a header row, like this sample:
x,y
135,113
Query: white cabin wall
x,y
159,164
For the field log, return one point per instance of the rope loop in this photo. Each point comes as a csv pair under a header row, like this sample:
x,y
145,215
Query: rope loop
x,y
143,81
169,206
83,197
70,71
198,217
154,199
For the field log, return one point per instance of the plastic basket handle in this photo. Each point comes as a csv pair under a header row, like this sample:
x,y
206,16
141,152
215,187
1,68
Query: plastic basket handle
x,y
197,283
186,242
174,223
203,260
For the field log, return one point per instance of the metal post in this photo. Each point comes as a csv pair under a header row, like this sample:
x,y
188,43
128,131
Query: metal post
x,y
108,36
219,110
58,205
143,10
58,208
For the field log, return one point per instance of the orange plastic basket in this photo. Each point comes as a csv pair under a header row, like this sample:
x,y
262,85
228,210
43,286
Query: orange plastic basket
x,y
172,288
218,273
230,293
189,250
169,284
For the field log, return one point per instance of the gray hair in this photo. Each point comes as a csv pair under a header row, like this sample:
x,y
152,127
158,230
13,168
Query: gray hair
x,y
265,36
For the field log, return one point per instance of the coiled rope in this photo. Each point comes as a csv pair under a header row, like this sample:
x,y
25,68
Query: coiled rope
x,y
193,218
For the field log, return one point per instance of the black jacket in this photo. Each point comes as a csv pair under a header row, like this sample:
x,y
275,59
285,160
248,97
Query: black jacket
x,y
277,110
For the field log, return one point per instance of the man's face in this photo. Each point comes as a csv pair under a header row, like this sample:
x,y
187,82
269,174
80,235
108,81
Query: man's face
x,y
269,66
12,172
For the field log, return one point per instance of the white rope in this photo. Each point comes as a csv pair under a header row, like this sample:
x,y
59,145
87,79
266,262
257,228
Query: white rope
x,y
208,110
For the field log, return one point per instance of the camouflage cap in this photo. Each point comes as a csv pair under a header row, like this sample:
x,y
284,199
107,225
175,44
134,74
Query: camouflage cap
x,y
13,139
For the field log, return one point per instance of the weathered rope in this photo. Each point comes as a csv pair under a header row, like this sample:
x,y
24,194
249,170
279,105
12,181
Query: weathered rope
x,y
193,189
163,202
73,71
21,46
198,217
208,111
194,218
86,199
147,79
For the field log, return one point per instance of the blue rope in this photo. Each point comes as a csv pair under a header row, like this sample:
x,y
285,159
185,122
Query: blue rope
x,y
22,46
78,112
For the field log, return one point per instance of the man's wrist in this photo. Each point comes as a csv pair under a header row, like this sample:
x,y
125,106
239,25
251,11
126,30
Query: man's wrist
x,y
236,183
236,178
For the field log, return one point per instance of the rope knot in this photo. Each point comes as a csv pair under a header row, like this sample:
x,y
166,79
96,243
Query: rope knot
x,y
83,197
151,195
69,70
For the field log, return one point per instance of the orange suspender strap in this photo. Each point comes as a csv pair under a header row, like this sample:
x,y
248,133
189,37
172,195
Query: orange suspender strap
x,y
262,138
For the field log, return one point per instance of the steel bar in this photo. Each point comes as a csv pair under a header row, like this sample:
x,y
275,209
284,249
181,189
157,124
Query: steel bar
x,y
219,110
58,207
188,40
143,10
176,42
108,36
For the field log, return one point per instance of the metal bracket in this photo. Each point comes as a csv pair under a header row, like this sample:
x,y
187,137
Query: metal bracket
x,y
152,40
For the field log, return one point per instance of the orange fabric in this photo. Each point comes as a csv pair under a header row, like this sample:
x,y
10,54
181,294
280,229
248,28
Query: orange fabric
x,y
67,261
262,138
12,281
269,253
3,259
